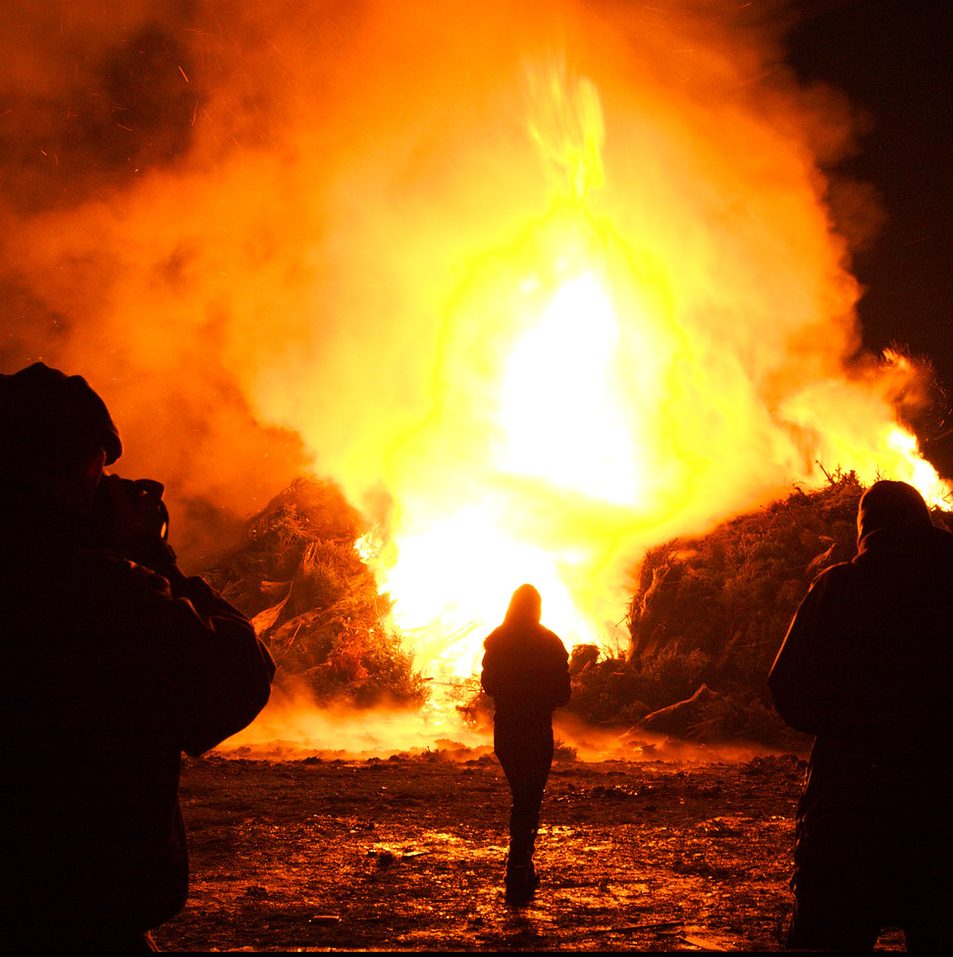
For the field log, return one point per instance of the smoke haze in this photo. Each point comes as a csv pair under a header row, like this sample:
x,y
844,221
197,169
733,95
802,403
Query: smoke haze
x,y
279,237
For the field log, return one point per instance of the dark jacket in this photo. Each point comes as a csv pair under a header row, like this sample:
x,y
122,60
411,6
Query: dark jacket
x,y
867,668
526,672
112,670
868,660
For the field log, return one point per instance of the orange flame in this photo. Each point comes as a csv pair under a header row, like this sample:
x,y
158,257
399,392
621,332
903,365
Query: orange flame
x,y
532,342
604,410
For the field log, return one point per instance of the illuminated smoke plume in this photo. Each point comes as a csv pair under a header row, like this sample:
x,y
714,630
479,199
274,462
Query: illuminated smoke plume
x,y
539,284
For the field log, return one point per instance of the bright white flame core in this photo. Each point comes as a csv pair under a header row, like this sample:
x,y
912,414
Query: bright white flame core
x,y
453,580
561,408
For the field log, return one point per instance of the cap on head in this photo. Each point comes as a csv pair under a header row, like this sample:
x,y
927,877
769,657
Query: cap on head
x,y
889,504
46,413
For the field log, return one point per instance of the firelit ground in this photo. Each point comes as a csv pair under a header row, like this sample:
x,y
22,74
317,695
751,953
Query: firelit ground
x,y
406,853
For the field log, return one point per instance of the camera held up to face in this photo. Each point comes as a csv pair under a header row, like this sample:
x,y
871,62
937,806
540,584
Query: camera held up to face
x,y
128,510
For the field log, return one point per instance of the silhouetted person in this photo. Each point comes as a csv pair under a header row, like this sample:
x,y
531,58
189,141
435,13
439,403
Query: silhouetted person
x,y
867,667
114,663
526,672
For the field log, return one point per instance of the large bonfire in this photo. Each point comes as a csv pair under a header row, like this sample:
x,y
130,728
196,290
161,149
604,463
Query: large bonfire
x,y
537,289
704,622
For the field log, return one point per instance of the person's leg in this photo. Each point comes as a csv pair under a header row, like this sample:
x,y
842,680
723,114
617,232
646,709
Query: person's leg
x,y
526,764
524,816
819,924
522,879
518,879
527,780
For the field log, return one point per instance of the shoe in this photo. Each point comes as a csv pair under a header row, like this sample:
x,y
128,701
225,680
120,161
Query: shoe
x,y
521,882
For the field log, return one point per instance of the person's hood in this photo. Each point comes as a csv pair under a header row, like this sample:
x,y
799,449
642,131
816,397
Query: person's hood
x,y
525,607
44,409
890,507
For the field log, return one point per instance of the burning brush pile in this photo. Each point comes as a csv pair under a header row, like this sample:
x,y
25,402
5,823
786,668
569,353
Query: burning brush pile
x,y
297,575
705,621
709,615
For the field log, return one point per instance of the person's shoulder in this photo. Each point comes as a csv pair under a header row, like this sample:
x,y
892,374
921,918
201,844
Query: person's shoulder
x,y
835,575
553,641
942,540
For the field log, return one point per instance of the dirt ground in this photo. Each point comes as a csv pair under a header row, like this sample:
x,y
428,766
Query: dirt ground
x,y
406,853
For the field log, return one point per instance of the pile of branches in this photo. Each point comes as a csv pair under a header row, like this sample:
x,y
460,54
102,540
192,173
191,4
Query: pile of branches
x,y
314,602
707,619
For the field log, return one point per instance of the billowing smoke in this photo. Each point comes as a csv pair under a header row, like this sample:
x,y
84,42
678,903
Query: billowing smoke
x,y
285,236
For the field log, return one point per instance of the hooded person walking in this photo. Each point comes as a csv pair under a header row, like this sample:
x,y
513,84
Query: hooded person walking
x,y
526,673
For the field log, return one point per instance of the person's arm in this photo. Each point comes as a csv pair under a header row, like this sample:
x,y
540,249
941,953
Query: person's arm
x,y
559,682
200,671
495,667
490,673
240,668
807,675
212,674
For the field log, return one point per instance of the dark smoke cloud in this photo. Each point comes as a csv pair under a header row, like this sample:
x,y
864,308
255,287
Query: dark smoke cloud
x,y
93,96
97,99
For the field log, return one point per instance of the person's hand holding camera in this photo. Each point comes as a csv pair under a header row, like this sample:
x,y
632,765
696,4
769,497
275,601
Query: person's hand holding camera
x,y
131,518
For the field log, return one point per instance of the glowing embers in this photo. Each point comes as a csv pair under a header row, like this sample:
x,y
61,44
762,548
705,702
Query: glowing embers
x,y
561,408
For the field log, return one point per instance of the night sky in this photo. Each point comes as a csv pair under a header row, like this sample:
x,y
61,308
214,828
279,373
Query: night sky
x,y
894,59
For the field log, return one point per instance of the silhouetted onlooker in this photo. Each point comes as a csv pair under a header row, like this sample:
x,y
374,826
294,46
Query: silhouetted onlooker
x,y
114,662
526,672
867,667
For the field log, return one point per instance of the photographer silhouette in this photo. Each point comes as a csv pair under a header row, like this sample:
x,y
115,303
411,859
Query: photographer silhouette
x,y
116,662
